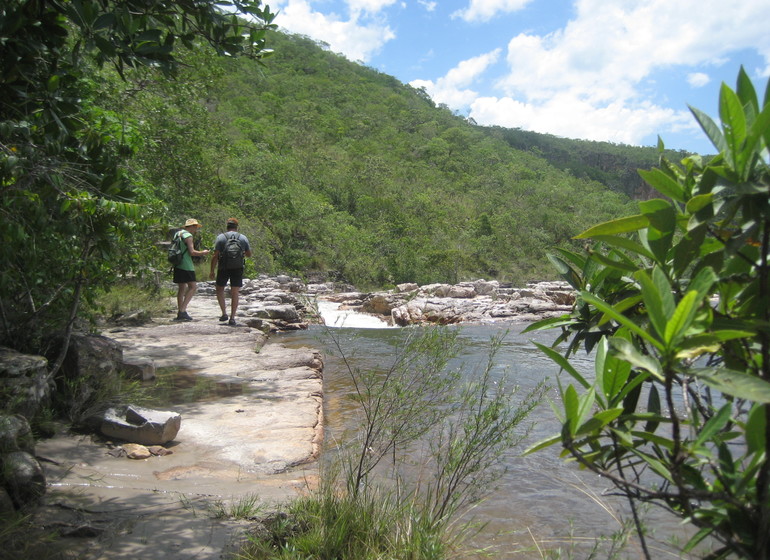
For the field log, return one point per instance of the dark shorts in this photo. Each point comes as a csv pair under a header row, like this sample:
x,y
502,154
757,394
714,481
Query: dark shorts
x,y
183,276
235,276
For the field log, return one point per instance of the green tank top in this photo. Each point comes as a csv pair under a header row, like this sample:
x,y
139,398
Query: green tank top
x,y
187,263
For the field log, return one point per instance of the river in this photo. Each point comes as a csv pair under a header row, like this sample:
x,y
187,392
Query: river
x,y
542,502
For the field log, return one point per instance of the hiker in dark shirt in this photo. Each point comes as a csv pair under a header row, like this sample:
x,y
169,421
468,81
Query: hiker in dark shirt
x,y
230,249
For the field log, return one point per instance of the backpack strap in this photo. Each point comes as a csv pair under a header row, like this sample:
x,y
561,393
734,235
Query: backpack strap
x,y
178,238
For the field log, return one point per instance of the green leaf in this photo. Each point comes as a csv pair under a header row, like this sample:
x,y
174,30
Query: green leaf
x,y
563,363
733,124
714,425
698,202
627,351
586,404
653,406
758,128
735,383
549,323
697,538
713,132
664,184
653,301
614,227
657,466
755,429
623,265
611,373
598,421
571,408
682,318
650,437
566,271
624,243
542,444
745,90
620,318
703,282
660,213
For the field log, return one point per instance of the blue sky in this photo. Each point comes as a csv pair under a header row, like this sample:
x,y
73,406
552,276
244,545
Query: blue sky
x,y
621,71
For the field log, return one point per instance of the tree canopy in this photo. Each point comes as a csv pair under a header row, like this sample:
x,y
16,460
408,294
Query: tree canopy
x,y
69,206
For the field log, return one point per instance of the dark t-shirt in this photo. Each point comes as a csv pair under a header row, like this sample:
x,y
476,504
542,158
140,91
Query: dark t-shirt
x,y
219,244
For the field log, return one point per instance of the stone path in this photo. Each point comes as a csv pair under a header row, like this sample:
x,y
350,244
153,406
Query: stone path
x,y
260,443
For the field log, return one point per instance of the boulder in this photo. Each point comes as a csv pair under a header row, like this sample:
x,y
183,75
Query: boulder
x,y
23,477
377,304
91,368
141,425
15,434
484,288
463,292
140,368
407,287
286,313
24,383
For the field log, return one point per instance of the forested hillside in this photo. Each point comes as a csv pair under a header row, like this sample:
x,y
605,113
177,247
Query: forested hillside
x,y
333,166
613,165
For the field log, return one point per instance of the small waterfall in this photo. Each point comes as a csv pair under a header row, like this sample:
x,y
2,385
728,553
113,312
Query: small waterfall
x,y
333,316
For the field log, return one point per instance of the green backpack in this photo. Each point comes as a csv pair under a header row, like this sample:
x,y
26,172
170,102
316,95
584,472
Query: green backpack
x,y
176,251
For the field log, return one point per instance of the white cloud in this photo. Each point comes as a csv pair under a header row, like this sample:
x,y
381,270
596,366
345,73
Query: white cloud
x,y
357,7
450,89
572,117
586,80
357,38
698,79
484,10
429,6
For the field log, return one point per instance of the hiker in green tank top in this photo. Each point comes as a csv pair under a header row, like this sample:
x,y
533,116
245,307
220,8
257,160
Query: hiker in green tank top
x,y
184,272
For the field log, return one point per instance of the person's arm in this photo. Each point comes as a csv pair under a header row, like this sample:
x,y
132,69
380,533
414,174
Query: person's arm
x,y
193,253
214,262
247,249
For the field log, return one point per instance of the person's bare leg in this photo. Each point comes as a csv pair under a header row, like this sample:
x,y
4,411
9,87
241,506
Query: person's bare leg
x,y
180,293
234,299
191,288
221,299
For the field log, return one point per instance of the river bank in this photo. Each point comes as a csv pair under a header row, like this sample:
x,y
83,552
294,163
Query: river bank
x,y
258,445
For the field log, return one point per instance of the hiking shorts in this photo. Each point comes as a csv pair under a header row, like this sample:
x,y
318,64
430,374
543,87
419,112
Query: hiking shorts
x,y
183,276
235,276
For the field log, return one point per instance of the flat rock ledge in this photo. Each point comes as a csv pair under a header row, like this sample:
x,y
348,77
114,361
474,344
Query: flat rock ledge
x,y
261,442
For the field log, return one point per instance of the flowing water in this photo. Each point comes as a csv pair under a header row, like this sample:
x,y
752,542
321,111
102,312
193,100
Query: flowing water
x,y
542,502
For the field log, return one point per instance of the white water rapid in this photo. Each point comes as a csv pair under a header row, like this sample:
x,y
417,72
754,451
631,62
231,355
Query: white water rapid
x,y
333,316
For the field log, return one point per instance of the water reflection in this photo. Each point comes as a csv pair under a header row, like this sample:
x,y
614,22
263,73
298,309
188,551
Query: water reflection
x,y
541,501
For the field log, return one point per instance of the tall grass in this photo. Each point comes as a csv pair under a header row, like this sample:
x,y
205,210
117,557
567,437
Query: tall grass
x,y
333,524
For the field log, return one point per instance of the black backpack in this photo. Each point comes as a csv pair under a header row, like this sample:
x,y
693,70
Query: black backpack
x,y
176,251
232,255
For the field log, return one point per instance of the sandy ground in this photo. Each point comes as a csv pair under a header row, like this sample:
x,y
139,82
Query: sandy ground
x,y
260,444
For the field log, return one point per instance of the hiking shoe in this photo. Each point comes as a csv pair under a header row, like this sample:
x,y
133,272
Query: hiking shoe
x,y
232,323
183,316
224,317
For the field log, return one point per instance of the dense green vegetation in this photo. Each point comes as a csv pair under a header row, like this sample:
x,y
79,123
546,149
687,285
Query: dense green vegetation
x,y
73,214
614,165
123,132
675,300
335,166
